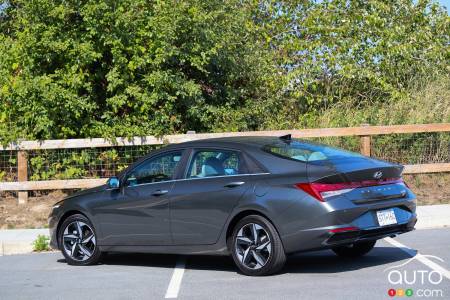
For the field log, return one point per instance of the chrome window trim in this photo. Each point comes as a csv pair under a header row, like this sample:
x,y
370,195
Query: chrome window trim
x,y
184,179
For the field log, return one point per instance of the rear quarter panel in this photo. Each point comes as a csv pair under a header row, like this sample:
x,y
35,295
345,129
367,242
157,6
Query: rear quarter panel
x,y
289,209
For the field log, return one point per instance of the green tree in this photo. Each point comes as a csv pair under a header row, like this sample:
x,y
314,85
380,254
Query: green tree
x,y
89,68
125,67
364,52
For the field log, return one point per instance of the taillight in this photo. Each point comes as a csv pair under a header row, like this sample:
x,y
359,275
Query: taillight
x,y
343,229
322,191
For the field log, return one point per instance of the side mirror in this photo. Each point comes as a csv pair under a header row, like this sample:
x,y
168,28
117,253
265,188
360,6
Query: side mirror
x,y
113,183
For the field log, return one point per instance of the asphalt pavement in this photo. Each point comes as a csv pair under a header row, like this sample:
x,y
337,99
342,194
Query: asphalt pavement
x,y
416,262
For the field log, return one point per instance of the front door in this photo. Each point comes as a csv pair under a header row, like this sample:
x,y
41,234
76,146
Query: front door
x,y
138,213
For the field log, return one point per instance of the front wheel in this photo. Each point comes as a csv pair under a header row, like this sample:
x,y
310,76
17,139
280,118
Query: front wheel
x,y
354,250
78,241
256,247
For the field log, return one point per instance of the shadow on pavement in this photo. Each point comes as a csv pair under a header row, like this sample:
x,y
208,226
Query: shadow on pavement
x,y
327,262
310,262
138,259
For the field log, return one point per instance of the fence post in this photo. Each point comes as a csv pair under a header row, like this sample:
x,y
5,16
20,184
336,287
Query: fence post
x,y
365,141
22,174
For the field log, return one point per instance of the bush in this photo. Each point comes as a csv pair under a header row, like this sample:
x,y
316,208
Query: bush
x,y
41,243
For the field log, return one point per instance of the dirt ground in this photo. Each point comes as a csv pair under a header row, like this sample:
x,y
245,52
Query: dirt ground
x,y
429,188
31,215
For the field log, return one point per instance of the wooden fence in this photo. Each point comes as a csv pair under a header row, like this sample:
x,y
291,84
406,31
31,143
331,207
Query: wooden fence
x,y
364,132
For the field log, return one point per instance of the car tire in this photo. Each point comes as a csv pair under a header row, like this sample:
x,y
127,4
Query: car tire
x,y
354,250
79,249
256,257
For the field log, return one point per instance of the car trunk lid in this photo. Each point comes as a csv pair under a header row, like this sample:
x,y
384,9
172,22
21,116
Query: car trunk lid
x,y
360,179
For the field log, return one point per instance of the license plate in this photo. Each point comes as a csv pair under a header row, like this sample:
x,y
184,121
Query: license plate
x,y
386,217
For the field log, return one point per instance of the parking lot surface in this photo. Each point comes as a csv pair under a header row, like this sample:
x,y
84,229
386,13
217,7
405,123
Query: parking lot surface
x,y
315,275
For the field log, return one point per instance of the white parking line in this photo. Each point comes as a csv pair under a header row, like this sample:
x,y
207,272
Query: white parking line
x,y
413,253
177,277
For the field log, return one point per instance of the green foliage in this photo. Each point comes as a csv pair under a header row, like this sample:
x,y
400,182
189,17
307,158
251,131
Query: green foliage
x,y
138,67
41,243
427,103
360,53
123,68
85,163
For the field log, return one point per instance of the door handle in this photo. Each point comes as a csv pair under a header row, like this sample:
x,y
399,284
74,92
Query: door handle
x,y
160,192
234,184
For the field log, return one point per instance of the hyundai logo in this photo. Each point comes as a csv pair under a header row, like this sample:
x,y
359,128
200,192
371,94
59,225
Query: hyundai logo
x,y
378,175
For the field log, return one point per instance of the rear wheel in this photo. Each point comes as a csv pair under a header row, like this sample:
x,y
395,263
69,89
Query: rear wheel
x,y
256,247
354,250
78,241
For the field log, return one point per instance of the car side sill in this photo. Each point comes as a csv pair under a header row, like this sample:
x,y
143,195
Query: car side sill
x,y
171,249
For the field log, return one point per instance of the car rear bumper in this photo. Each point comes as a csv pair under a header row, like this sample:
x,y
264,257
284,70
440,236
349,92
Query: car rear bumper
x,y
353,236
359,223
323,238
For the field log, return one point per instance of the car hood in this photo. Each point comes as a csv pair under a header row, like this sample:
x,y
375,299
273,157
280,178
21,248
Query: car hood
x,y
87,192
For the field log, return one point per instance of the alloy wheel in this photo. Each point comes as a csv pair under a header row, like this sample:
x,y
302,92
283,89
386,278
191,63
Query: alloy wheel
x,y
79,241
253,246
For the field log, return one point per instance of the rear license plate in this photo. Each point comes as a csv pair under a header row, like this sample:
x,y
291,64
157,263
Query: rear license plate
x,y
386,217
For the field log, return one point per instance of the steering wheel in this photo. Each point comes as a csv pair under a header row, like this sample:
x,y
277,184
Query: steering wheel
x,y
159,177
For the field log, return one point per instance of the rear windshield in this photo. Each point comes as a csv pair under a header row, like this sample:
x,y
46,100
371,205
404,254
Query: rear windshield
x,y
307,151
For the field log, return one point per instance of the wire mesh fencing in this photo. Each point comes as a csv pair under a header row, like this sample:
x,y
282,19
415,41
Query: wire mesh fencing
x,y
417,148
405,148
8,165
83,163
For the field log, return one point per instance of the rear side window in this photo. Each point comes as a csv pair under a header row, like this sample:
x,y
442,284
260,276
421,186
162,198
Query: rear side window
x,y
306,151
209,163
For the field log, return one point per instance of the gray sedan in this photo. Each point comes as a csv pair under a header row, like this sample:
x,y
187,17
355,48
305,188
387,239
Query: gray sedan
x,y
256,198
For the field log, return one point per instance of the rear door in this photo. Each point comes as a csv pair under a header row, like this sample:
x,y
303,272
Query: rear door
x,y
215,180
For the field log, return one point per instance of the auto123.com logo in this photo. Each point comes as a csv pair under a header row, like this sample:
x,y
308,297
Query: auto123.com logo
x,y
418,283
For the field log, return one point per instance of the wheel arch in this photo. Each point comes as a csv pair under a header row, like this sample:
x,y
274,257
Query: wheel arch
x,y
242,214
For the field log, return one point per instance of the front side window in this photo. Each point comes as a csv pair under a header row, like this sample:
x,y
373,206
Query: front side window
x,y
158,169
209,163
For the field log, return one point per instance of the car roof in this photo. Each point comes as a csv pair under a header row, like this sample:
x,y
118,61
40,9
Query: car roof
x,y
232,142
246,143
249,144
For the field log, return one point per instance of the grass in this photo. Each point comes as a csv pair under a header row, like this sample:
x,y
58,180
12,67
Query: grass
x,y
429,103
41,243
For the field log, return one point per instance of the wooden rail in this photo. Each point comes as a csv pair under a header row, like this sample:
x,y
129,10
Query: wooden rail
x,y
364,132
427,168
179,138
52,184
